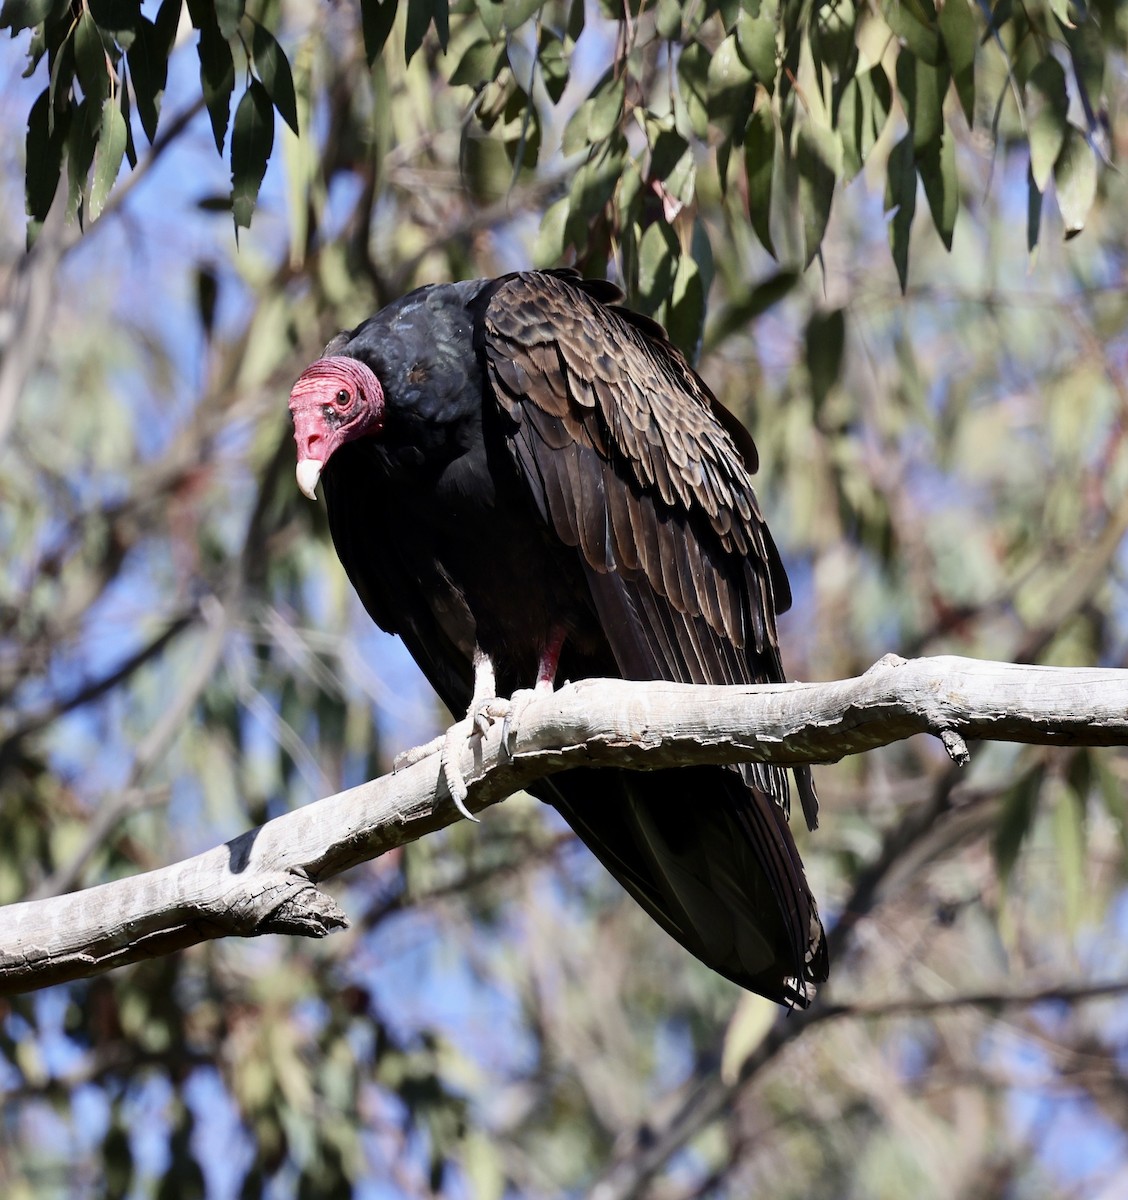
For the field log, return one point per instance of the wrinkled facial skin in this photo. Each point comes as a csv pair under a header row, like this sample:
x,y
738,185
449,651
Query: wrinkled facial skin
x,y
334,400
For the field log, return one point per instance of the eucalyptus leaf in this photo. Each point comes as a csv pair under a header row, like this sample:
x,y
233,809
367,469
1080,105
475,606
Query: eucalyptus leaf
x,y
217,79
274,71
108,155
923,88
900,200
1046,107
492,15
915,22
606,110
252,139
1033,213
479,64
818,163
376,20
147,59
760,138
44,159
91,65
1075,181
26,14
960,36
228,14
936,165
825,350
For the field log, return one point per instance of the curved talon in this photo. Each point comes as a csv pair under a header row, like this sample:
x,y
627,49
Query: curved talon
x,y
456,736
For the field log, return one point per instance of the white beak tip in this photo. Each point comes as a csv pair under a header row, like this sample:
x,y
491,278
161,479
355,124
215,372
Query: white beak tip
x,y
309,472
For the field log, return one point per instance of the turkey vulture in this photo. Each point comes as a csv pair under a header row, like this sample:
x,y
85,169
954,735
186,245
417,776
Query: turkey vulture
x,y
525,480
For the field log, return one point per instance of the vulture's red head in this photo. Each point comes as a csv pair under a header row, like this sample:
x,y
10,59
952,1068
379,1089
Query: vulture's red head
x,y
335,400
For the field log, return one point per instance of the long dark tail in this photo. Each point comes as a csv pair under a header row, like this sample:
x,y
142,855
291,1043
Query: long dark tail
x,y
710,857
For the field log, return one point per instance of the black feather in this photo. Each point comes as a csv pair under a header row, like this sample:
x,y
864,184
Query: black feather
x,y
550,462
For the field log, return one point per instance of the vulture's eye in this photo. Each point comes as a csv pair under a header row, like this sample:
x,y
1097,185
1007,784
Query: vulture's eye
x,y
342,397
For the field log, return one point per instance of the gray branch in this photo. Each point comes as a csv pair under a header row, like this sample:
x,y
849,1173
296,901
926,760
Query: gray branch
x,y
265,881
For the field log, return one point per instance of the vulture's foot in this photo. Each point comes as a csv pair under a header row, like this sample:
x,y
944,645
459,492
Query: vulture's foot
x,y
452,743
483,713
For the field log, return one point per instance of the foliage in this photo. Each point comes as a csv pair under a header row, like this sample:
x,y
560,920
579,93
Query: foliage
x,y
945,467
793,99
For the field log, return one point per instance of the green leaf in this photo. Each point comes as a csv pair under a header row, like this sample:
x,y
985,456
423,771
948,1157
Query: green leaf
x,y
1046,107
606,111
923,88
668,19
592,188
1075,180
685,317
480,64
554,64
728,75
376,21
36,49
228,14
759,155
658,252
516,12
217,79
44,160
252,139
26,14
108,156
421,14
882,99
693,77
148,69
937,167
757,39
850,123
818,163
167,22
274,71
82,138
826,347
62,74
900,199
1033,213
671,158
1087,50
958,32
549,246
91,65
493,17
130,148
576,131
1016,819
523,148
914,21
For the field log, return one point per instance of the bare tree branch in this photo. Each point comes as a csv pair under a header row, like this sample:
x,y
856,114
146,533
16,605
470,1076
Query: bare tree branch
x,y
264,881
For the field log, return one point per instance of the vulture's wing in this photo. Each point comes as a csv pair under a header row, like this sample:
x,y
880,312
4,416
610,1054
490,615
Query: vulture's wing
x,y
634,463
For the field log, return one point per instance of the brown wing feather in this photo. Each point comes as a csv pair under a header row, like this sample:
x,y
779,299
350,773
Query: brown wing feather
x,y
674,488
636,464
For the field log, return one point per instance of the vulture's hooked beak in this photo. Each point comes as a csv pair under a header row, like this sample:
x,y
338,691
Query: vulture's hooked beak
x,y
309,472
